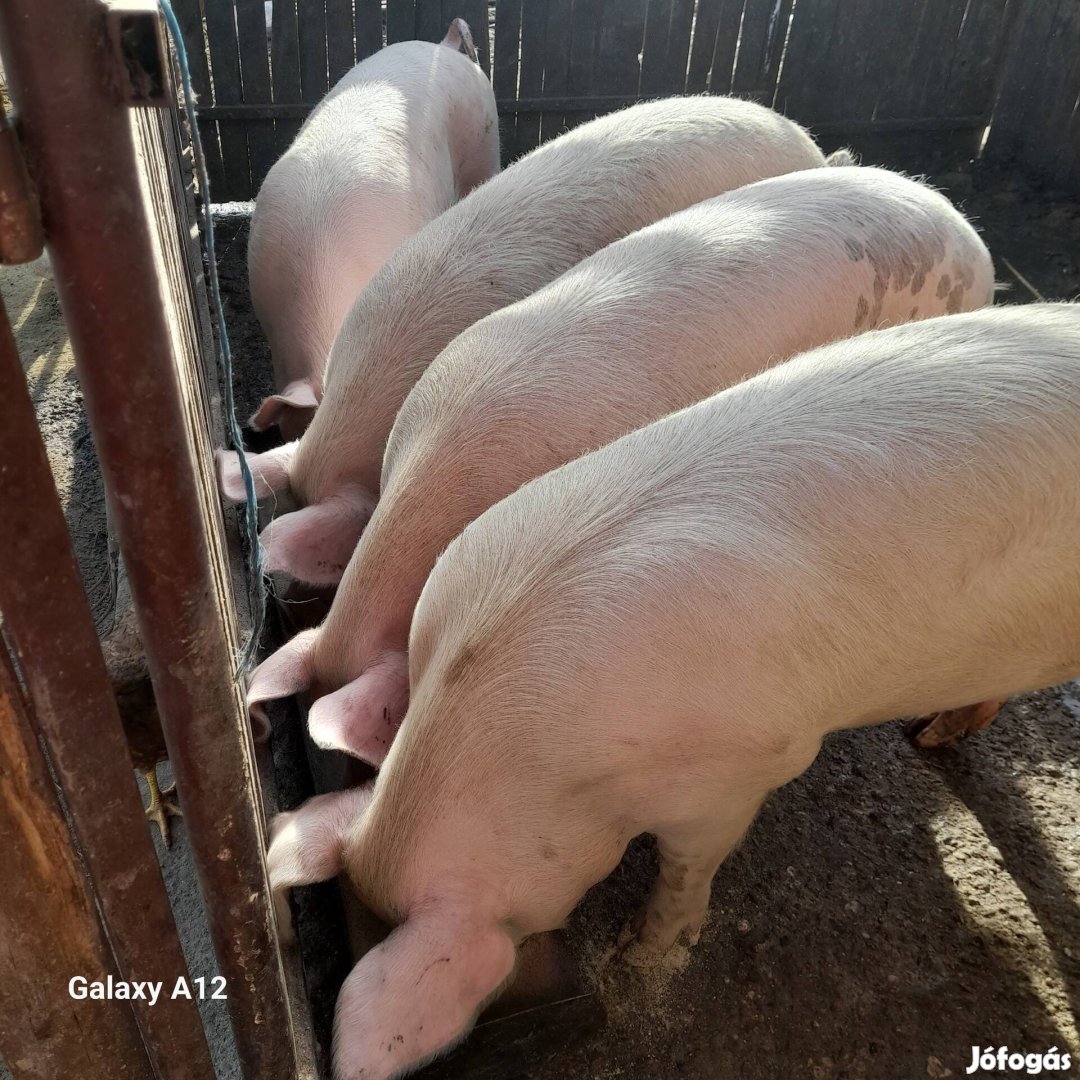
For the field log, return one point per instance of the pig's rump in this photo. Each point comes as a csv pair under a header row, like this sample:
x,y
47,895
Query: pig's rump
x,y
398,139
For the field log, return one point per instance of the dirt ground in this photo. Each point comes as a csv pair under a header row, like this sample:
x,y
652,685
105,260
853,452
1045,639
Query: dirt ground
x,y
888,911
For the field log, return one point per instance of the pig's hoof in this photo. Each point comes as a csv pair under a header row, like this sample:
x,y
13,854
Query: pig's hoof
x,y
948,728
638,955
630,931
641,946
654,956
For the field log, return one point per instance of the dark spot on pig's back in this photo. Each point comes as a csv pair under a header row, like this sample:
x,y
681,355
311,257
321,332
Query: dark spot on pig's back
x,y
861,310
458,669
964,272
952,305
943,286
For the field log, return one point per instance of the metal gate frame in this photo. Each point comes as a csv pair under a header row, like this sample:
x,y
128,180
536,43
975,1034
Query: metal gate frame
x,y
105,163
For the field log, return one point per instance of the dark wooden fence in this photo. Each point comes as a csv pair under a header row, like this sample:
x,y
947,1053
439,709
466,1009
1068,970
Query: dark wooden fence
x,y
850,69
1037,118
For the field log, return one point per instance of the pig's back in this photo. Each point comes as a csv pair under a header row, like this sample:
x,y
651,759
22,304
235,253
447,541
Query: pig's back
x,y
855,534
384,129
549,210
684,307
607,178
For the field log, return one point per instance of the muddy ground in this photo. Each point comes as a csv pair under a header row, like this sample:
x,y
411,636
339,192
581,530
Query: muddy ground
x,y
888,911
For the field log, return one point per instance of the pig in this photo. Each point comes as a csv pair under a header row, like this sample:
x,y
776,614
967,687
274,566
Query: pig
x,y
514,234
648,325
401,137
655,636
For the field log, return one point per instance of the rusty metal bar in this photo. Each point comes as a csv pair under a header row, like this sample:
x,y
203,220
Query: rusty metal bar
x,y
48,625
81,155
49,926
20,217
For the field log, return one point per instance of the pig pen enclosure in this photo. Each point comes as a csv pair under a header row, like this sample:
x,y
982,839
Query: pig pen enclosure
x,y
890,909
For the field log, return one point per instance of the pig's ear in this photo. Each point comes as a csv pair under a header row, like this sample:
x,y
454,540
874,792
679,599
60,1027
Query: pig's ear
x,y
459,38
298,398
282,674
306,845
314,545
362,717
418,993
269,471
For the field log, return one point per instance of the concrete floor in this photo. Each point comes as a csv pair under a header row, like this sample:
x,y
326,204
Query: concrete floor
x,y
889,910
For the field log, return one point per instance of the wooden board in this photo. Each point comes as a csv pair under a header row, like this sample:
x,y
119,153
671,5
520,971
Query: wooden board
x,y
665,48
368,27
228,90
556,67
761,45
255,76
1037,118
311,27
712,54
189,16
285,68
531,73
505,67
400,20
340,50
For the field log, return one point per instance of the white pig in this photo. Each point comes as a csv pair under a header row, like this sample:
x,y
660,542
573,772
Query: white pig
x,y
513,235
654,637
653,323
402,136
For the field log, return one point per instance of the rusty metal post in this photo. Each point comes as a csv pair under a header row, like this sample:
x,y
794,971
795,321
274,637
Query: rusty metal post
x,y
49,927
81,155
47,623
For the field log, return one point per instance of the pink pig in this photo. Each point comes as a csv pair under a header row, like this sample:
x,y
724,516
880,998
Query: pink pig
x,y
402,136
646,326
514,234
654,637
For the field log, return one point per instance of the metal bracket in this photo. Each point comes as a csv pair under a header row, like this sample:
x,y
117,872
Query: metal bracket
x,y
139,52
21,237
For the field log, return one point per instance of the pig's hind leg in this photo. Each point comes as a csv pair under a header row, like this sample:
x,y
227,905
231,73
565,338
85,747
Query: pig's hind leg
x,y
947,728
690,855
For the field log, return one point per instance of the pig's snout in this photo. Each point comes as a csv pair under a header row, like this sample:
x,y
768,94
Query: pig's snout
x,y
269,472
306,846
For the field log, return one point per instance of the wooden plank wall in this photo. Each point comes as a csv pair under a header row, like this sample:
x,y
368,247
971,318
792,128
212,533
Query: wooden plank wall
x,y
1036,119
932,69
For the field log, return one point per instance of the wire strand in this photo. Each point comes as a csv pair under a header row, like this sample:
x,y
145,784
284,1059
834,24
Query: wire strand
x,y
256,593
